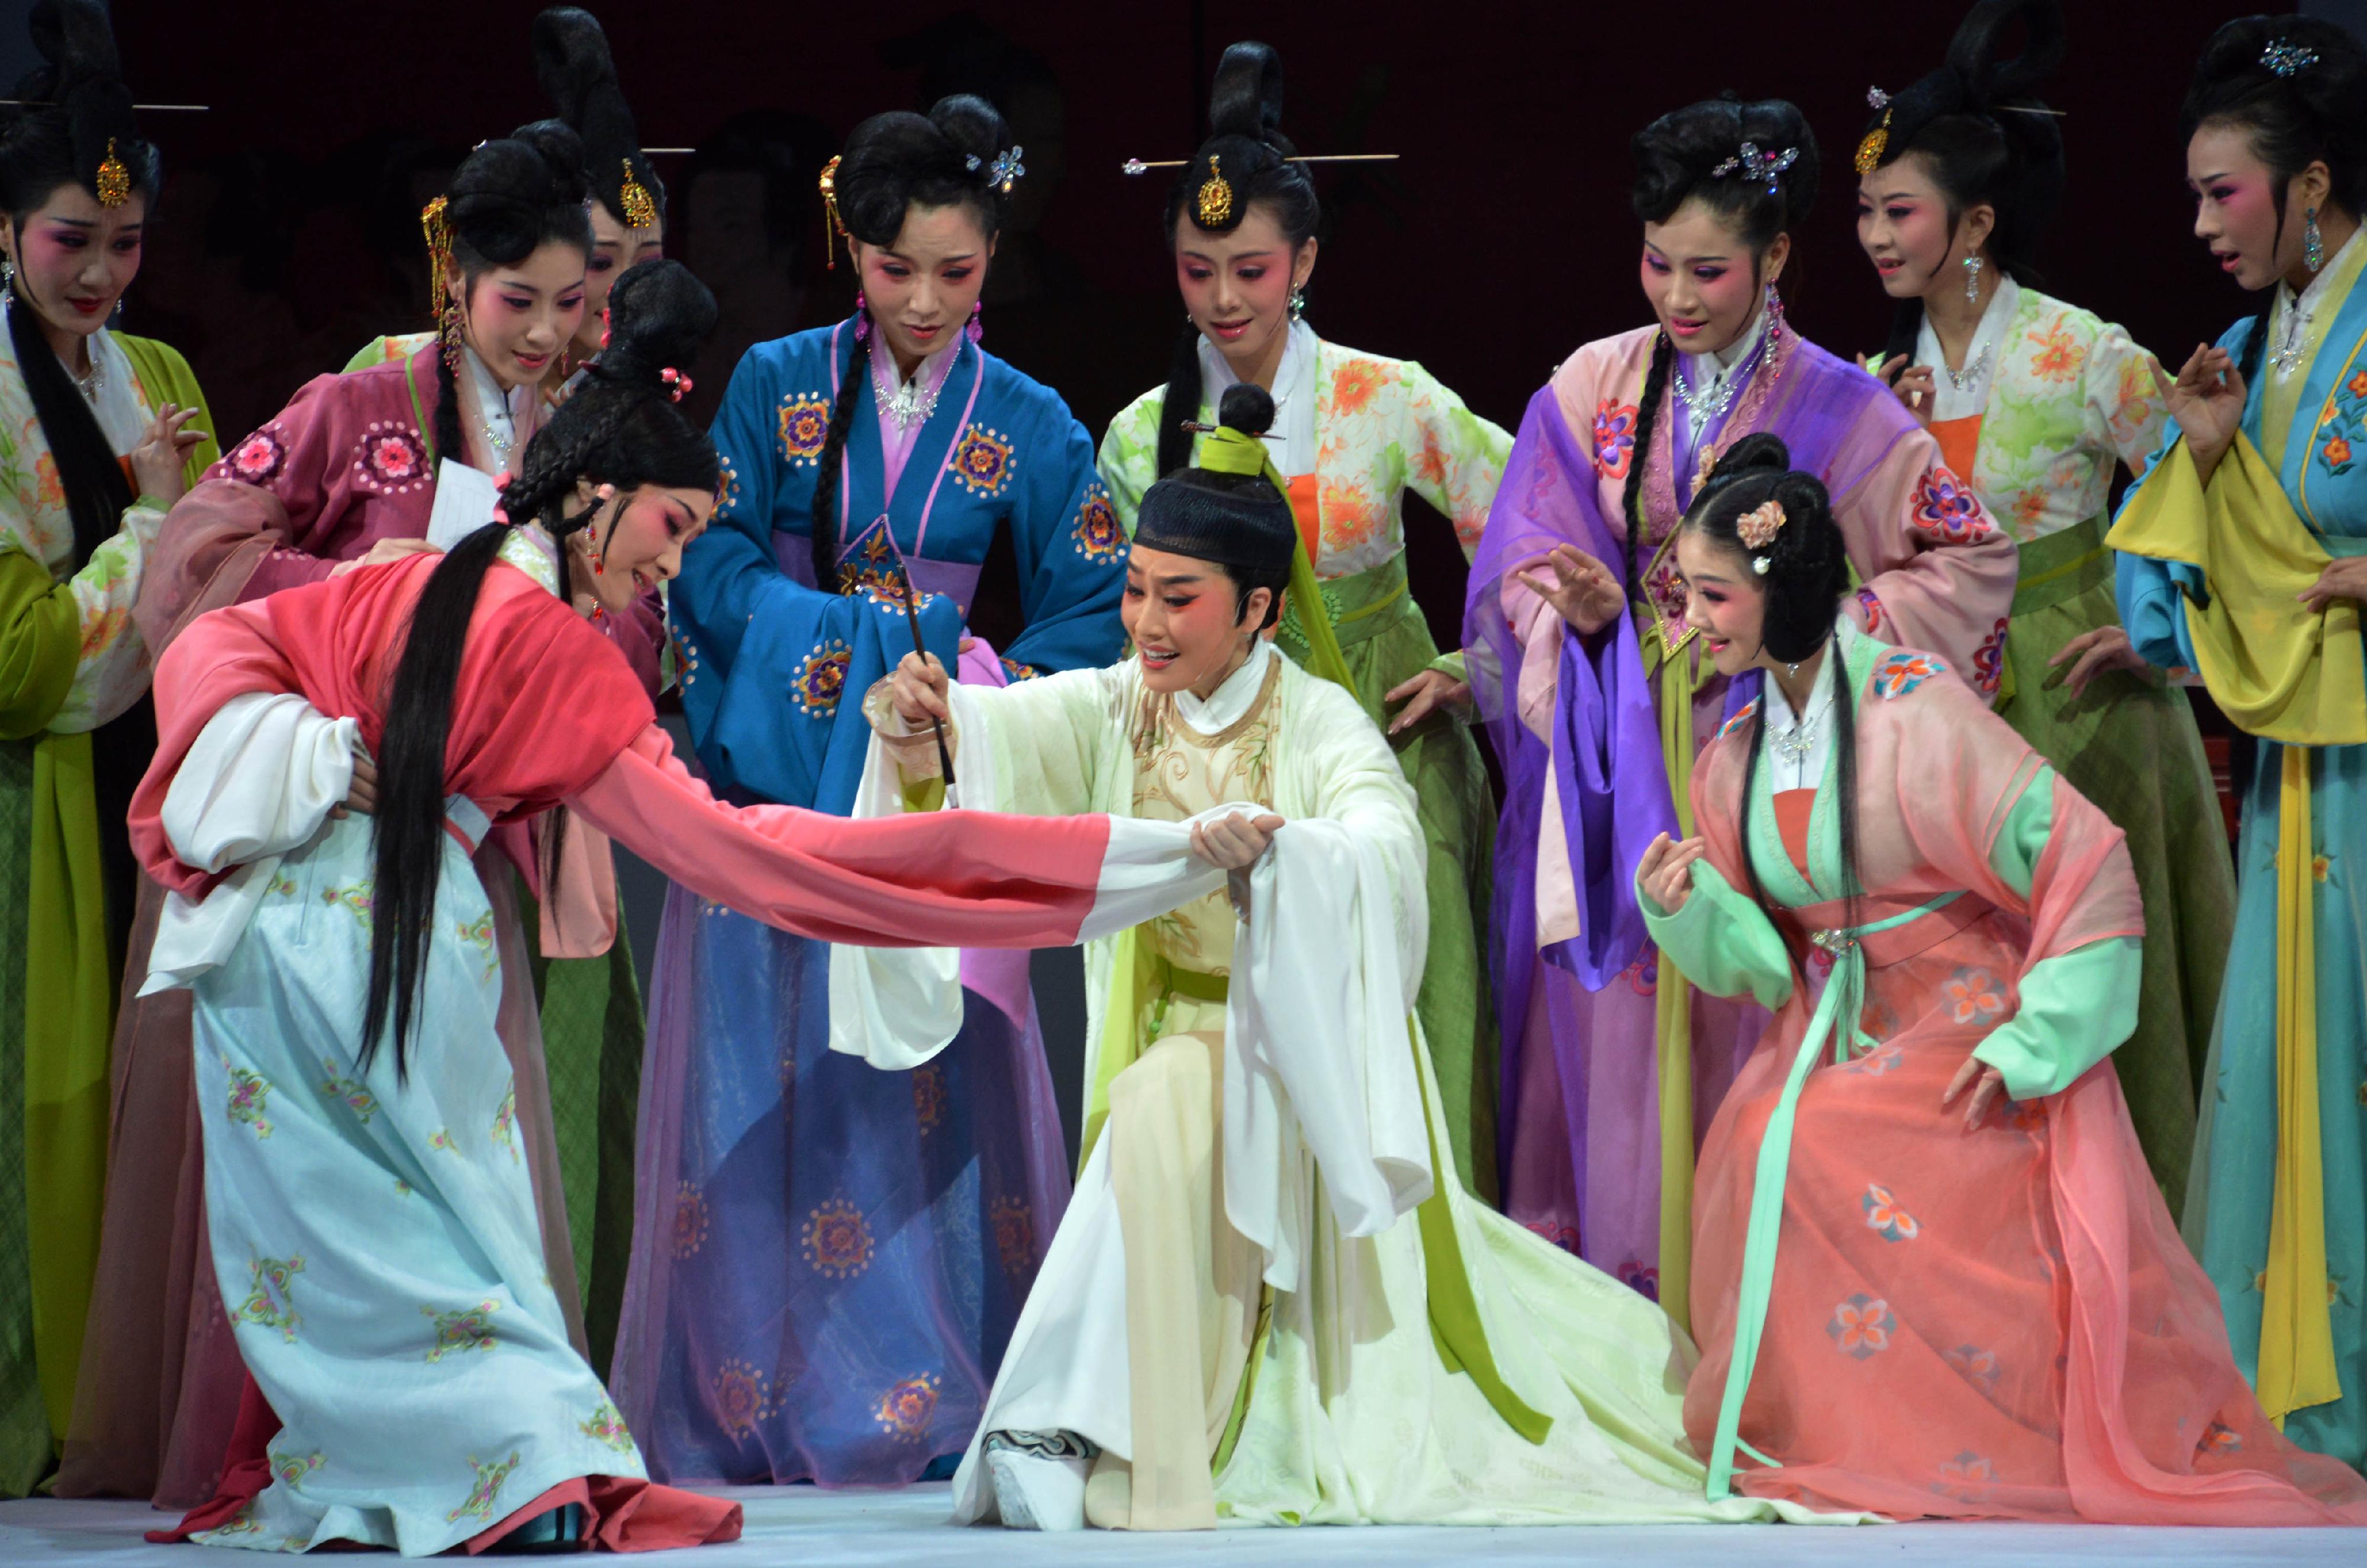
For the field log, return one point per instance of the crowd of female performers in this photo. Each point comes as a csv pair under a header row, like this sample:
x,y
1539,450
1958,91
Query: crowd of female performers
x,y
1850,992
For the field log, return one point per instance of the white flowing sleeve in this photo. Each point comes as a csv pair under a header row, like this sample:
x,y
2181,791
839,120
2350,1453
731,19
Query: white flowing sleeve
x,y
264,774
1321,1088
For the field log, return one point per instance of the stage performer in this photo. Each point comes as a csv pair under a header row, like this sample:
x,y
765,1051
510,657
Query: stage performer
x,y
346,473
828,1261
1353,432
1272,1301
627,204
370,1207
1598,697
2245,559
100,432
2037,403
1933,1274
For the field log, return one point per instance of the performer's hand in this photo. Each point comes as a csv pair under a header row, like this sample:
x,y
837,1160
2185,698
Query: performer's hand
x,y
2207,400
159,463
1987,1085
1429,692
2344,579
1582,593
1234,842
920,691
1913,383
384,552
2106,647
1667,870
361,794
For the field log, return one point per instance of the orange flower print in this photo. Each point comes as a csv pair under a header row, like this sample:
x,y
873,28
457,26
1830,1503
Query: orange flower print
x,y
1349,516
1885,1218
2357,385
2220,1437
2338,451
1861,1326
1353,384
1431,466
2029,509
54,492
1973,995
1974,1363
2059,354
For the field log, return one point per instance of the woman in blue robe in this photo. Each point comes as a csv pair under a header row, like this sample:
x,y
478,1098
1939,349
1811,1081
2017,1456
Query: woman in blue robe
x,y
828,1259
2245,561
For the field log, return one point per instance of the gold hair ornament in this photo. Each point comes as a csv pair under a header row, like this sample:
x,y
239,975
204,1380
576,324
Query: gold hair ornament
x,y
1877,140
436,226
640,211
833,228
114,183
1214,204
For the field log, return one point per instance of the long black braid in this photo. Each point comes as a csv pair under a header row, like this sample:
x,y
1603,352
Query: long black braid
x,y
1181,403
621,428
1631,497
841,415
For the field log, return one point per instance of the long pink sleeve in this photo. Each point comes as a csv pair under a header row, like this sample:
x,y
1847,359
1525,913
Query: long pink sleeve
x,y
1942,575
930,879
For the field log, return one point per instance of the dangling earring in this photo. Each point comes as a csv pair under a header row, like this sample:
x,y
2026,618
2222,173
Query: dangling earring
x,y
1793,671
2312,252
1297,304
1972,280
1775,312
862,317
447,331
7,275
977,328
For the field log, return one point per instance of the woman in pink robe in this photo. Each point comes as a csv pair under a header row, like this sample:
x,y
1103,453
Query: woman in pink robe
x,y
1933,1276
368,1206
347,472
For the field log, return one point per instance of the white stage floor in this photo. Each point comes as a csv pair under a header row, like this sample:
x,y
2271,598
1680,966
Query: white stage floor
x,y
810,1528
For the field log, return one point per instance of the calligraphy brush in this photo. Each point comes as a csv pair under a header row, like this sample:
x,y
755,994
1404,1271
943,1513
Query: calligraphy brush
x,y
912,619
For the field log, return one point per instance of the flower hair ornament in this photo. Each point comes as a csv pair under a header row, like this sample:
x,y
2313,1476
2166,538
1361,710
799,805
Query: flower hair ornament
x,y
2284,59
1005,168
1750,164
1757,529
676,384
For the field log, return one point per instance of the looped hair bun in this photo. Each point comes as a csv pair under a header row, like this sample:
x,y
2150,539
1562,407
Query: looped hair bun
x,y
1677,154
503,193
1807,570
900,160
659,315
71,111
573,62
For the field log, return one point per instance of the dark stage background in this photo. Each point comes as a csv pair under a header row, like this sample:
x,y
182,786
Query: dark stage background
x,y
287,234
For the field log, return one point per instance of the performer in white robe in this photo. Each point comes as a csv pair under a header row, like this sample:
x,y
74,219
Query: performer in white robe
x,y
1265,1175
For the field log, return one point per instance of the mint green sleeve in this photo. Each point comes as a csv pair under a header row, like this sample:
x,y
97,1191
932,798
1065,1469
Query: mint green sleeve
x,y
2077,1007
1721,941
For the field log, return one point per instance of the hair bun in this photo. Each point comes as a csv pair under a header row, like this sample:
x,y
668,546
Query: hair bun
x,y
1973,53
974,127
1246,406
571,59
573,62
1757,451
502,191
1246,98
659,317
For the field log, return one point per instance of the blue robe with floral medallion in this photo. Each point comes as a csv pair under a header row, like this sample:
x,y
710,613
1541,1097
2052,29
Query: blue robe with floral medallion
x,y
828,1259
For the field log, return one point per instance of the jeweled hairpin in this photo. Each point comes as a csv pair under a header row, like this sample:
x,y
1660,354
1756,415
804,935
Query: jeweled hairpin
x,y
640,211
114,183
1005,168
676,384
1877,140
1137,167
1753,165
2284,59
